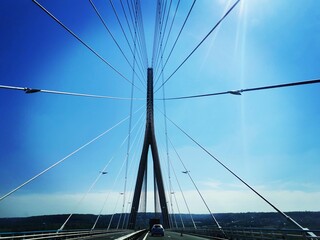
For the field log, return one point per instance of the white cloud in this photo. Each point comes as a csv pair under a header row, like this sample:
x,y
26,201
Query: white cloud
x,y
212,184
46,204
221,201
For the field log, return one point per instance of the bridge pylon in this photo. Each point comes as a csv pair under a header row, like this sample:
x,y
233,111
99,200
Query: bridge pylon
x,y
149,141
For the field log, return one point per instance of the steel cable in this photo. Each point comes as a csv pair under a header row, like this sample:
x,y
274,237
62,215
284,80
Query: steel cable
x,y
199,44
36,90
113,38
240,91
85,44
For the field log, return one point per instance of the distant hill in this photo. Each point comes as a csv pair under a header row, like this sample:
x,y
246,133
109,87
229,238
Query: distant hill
x,y
310,220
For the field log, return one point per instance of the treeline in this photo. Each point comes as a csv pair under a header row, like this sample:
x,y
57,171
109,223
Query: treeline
x,y
310,220
54,222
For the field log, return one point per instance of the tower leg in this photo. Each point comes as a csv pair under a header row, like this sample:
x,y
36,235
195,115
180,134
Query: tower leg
x,y
149,140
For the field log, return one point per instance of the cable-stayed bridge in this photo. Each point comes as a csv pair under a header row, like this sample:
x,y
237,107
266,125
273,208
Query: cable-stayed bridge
x,y
89,87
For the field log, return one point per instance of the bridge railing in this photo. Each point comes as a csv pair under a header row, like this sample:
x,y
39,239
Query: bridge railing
x,y
134,235
254,233
52,234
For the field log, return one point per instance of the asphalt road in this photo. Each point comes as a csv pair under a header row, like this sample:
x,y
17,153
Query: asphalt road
x,y
167,236
173,235
110,236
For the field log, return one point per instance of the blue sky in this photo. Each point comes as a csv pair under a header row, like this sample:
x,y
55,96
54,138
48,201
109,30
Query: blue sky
x,y
269,138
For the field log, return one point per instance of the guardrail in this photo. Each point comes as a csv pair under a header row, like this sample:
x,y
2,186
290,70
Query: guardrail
x,y
254,233
38,235
134,235
215,233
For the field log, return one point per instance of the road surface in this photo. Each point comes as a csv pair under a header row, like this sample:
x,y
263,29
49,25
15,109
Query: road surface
x,y
173,235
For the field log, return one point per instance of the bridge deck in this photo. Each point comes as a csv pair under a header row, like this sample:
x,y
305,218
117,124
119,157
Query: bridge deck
x,y
174,235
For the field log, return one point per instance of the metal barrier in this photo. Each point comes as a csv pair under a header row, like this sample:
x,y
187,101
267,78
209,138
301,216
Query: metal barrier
x,y
215,233
37,235
134,235
254,233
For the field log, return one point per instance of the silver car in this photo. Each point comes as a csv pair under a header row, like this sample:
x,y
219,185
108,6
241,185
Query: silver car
x,y
157,229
